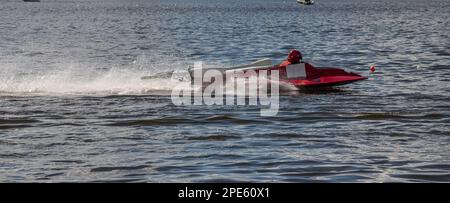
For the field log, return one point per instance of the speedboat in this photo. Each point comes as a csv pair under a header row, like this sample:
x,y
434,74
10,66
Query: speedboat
x,y
302,75
305,2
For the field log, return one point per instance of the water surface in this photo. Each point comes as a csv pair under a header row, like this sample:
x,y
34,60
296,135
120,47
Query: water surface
x,y
73,109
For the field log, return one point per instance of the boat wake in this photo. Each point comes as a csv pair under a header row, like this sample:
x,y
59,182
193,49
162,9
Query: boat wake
x,y
73,79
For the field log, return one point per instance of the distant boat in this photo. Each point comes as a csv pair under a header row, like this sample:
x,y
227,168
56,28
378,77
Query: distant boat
x,y
306,2
31,0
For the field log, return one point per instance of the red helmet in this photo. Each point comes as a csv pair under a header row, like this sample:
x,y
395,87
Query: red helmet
x,y
295,56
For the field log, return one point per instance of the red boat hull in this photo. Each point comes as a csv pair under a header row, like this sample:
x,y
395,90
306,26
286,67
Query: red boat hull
x,y
321,77
301,75
326,81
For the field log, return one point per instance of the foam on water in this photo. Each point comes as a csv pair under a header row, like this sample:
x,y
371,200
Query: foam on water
x,y
81,79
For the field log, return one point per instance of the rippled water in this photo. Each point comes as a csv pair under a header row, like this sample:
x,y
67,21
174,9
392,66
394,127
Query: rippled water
x,y
73,107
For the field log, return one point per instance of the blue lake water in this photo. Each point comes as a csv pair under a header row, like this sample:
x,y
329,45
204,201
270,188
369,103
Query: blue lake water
x,y
74,109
